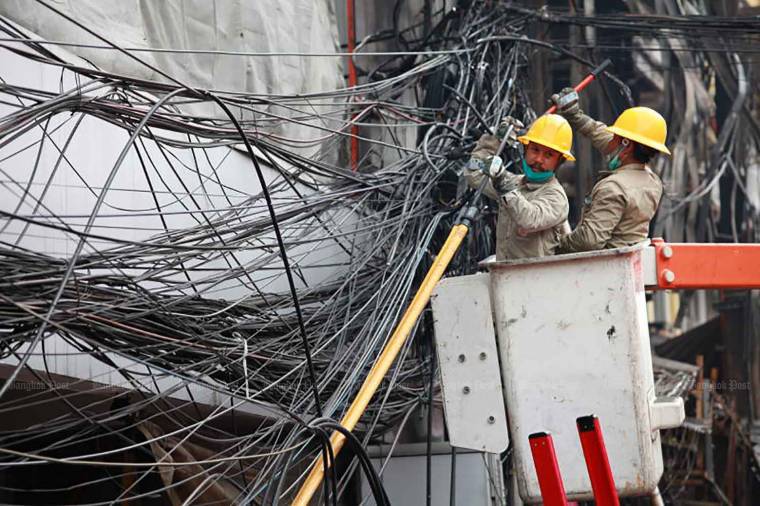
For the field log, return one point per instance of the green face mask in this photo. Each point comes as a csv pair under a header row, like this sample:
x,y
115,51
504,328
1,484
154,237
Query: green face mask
x,y
533,176
615,162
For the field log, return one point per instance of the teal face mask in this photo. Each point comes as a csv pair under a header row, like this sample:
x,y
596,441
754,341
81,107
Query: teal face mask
x,y
615,162
533,176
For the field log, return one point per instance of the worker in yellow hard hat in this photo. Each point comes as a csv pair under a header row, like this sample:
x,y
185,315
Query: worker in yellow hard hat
x,y
533,206
625,198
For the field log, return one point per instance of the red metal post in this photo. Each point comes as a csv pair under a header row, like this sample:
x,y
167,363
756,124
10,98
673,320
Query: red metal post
x,y
547,469
597,463
351,25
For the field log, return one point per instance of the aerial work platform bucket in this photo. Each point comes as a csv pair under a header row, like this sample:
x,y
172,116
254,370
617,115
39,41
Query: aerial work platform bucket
x,y
572,339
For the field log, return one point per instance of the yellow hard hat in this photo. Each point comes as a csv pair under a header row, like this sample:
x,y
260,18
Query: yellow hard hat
x,y
643,125
552,131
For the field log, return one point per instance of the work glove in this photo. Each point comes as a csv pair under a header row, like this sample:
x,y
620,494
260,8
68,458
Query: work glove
x,y
567,102
505,185
517,127
486,147
501,180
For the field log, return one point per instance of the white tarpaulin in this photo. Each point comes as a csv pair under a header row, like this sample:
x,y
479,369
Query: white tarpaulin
x,y
220,30
295,26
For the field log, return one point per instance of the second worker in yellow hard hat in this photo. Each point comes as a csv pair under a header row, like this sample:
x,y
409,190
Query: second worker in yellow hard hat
x,y
625,198
533,206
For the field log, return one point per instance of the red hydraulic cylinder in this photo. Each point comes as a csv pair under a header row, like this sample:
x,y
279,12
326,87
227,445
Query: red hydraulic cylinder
x,y
547,469
597,463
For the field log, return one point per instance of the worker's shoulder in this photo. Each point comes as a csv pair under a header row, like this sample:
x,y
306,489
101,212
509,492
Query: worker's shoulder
x,y
627,186
552,185
552,188
636,176
640,179
612,184
634,171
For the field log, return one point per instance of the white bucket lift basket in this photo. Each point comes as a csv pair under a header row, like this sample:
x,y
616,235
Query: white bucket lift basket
x,y
572,339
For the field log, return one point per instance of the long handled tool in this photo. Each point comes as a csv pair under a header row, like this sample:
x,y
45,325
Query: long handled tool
x,y
586,81
405,326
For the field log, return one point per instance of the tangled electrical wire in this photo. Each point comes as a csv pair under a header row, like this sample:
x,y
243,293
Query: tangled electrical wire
x,y
220,331
276,301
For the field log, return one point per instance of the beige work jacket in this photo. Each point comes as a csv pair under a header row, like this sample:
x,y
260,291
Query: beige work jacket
x,y
621,204
531,220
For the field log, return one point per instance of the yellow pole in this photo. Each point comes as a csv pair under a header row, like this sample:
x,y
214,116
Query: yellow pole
x,y
386,359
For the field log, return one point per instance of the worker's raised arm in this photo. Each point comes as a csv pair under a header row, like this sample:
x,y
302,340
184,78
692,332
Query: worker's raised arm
x,y
542,213
568,106
599,220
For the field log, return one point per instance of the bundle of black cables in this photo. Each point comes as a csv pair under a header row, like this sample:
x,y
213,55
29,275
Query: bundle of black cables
x,y
321,428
